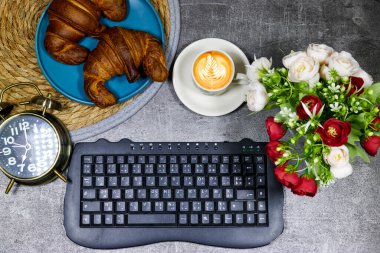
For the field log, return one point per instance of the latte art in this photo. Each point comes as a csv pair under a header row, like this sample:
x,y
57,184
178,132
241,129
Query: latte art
x,y
213,70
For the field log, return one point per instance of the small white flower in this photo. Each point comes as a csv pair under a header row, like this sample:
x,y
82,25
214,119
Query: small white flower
x,y
335,107
368,80
338,158
334,88
343,63
319,52
257,97
256,66
302,68
285,111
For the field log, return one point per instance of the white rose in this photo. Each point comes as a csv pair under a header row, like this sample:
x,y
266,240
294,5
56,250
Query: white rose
x,y
368,80
343,63
324,72
304,68
257,65
289,59
339,160
319,52
257,97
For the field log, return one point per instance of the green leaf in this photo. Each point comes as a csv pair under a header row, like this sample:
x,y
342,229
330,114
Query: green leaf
x,y
354,136
372,93
357,151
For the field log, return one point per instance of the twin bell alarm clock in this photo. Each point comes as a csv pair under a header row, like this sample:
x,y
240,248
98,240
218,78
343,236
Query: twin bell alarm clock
x,y
35,146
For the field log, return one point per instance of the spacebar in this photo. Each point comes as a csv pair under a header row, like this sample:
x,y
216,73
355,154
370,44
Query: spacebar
x,y
139,219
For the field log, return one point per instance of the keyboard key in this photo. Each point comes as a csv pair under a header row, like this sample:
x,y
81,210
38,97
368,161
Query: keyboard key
x,y
87,181
222,206
97,219
236,169
85,219
161,169
215,159
129,194
216,219
174,169
87,169
211,168
188,181
173,159
131,159
250,218
201,181
137,181
224,169
162,159
245,194
261,206
205,219
204,158
146,206
194,159
199,169
154,194
99,168
163,181
226,181
119,219
235,159
108,206
171,206
141,159
209,206
120,206
184,206
238,181
110,159
251,206
260,181
152,159
262,218
186,169
205,193
228,219
249,182
87,159
248,168
167,193
196,206
99,181
124,168
93,206
159,206
149,169
217,193
182,219
194,219
99,159
120,159
125,181
103,194
179,193
141,194
150,181
112,181
183,159
191,193
225,159
259,159
260,168
133,206
213,181
261,193
236,206
89,194
116,194
136,168
111,168
229,194
239,219
148,219
247,159
108,219
175,181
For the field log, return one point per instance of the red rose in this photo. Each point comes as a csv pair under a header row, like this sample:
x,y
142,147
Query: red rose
x,y
334,132
306,187
375,124
289,180
356,86
275,130
371,144
311,102
279,172
271,150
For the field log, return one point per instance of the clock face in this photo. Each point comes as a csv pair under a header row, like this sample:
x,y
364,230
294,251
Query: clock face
x,y
29,146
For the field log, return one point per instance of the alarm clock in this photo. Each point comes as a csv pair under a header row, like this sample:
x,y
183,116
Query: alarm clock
x,y
35,146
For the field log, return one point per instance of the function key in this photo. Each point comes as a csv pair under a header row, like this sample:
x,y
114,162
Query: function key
x,y
120,159
87,159
110,159
131,159
141,159
259,159
183,159
204,158
152,159
225,159
173,159
162,159
215,159
247,159
236,159
194,159
99,159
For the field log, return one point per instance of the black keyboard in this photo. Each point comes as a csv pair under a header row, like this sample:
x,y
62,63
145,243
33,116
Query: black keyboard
x,y
126,194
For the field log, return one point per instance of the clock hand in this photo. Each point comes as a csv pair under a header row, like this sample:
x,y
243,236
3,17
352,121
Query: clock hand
x,y
26,137
16,145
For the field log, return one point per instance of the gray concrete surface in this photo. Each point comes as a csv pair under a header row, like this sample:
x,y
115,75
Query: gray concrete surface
x,y
342,218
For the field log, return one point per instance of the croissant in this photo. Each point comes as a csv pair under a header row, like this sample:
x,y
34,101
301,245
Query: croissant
x,y
71,20
122,51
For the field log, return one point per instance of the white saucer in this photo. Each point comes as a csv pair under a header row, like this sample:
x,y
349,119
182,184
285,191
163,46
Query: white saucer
x,y
191,96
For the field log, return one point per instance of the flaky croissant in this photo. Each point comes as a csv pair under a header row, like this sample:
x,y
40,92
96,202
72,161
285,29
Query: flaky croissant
x,y
122,51
71,20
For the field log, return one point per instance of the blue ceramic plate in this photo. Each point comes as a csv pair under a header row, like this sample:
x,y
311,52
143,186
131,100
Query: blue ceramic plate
x,y
68,79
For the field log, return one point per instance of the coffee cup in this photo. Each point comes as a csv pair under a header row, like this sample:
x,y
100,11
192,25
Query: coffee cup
x,y
214,71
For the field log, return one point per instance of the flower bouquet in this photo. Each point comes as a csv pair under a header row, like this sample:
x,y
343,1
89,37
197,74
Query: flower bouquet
x,y
328,102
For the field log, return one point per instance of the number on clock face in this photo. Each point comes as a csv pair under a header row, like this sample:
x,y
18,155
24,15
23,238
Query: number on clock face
x,y
28,146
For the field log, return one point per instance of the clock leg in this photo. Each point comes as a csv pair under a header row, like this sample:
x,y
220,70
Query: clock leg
x,y
62,177
10,185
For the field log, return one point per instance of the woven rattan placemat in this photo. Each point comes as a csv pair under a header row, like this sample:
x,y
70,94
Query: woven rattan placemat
x,y
18,62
